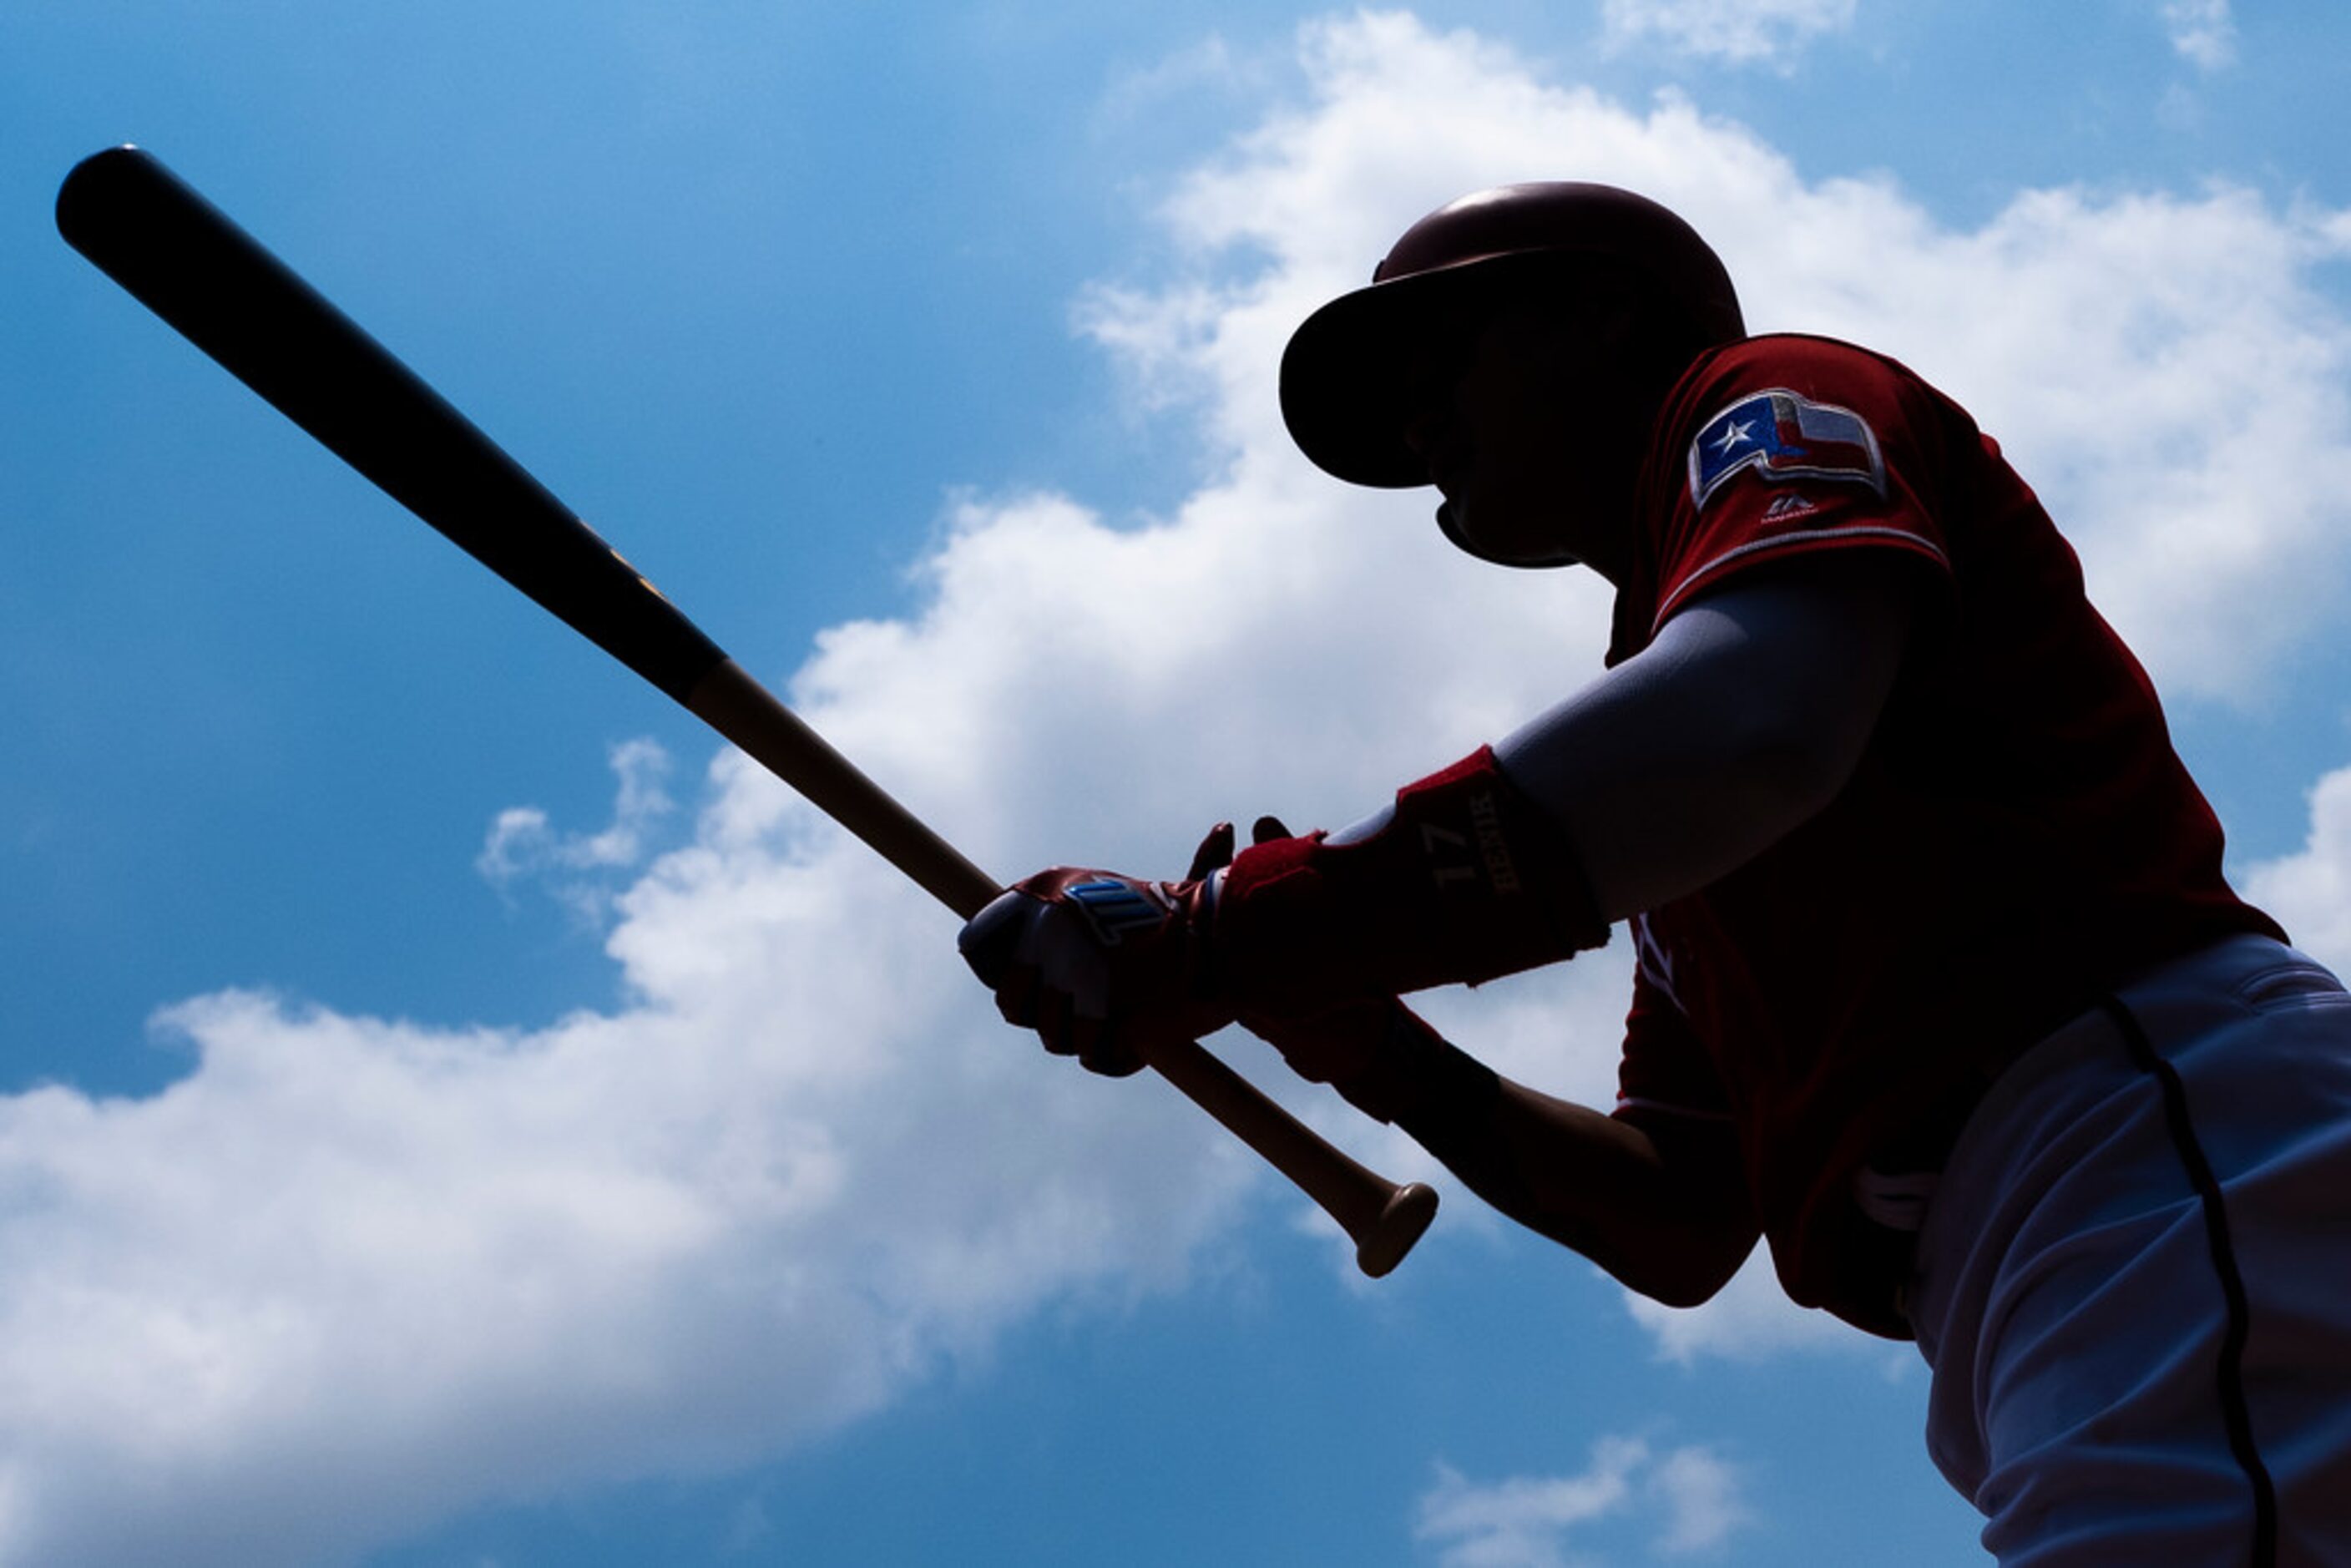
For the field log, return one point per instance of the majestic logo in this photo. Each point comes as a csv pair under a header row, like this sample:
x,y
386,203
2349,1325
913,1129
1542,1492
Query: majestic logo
x,y
1783,436
1486,817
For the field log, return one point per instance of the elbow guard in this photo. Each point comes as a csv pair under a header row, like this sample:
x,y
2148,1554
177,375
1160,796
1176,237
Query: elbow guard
x,y
1469,880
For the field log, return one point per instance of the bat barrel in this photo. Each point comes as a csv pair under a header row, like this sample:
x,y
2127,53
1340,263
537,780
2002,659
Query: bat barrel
x,y
189,261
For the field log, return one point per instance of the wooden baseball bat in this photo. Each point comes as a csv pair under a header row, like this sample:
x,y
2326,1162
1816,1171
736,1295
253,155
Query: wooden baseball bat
x,y
214,283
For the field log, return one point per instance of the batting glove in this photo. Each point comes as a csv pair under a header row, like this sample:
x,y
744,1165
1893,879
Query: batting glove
x,y
1101,966
1465,880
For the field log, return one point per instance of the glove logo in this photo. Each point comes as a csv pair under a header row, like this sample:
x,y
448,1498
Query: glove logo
x,y
1114,908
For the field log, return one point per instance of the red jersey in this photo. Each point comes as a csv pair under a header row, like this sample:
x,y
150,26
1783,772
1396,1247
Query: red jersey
x,y
2018,839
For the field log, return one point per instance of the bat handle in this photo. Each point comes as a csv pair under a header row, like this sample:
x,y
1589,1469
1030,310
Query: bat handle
x,y
1381,1217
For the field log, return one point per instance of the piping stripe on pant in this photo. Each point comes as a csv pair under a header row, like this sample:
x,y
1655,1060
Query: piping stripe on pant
x,y
2232,1375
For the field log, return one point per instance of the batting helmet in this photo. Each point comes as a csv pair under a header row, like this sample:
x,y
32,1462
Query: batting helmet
x,y
1344,393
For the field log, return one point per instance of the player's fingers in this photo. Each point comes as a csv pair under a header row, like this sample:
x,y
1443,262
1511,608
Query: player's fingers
x,y
1016,991
1102,1048
1265,830
1056,1023
990,940
1216,851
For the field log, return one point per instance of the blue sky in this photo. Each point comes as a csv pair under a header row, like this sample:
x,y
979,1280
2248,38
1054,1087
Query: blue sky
x,y
450,1115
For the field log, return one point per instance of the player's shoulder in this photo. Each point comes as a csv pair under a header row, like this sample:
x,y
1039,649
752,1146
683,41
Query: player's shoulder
x,y
1825,369
1789,394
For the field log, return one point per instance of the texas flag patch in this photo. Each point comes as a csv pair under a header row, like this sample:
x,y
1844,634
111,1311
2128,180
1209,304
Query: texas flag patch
x,y
1783,436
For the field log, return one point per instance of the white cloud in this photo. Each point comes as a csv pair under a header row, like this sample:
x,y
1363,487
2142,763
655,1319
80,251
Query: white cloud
x,y
1742,32
1520,1521
2333,230
405,1269
522,844
411,1268
1210,67
1690,1498
2310,893
1749,1319
1704,1500
2162,367
2202,31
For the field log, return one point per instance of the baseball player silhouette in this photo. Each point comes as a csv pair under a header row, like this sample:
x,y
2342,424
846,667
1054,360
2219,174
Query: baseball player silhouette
x,y
1940,991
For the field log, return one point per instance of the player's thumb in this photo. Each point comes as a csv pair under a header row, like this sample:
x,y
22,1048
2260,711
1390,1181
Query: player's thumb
x,y
1214,852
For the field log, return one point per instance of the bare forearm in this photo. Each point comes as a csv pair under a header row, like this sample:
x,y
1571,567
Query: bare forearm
x,y
1594,1185
1672,1225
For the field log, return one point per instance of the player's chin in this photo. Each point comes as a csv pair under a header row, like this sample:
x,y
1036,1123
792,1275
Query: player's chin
x,y
1495,533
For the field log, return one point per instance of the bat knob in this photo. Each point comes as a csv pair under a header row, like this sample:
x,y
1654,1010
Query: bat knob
x,y
1383,1244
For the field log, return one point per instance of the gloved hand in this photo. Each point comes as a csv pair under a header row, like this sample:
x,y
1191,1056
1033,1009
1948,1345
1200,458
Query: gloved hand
x,y
1342,1046
1464,878
1101,966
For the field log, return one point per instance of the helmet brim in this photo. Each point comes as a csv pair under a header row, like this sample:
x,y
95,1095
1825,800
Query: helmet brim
x,y
1347,375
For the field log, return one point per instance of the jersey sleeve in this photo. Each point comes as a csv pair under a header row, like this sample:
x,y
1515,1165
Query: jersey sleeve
x,y
1665,1070
1793,447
